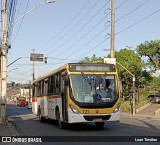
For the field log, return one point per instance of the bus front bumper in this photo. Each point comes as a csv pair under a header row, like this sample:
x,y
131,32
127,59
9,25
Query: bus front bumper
x,y
80,118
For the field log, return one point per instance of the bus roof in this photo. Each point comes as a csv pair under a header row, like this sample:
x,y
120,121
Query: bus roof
x,y
81,67
50,73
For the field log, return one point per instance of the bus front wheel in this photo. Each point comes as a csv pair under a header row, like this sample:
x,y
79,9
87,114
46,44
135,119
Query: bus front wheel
x,y
99,125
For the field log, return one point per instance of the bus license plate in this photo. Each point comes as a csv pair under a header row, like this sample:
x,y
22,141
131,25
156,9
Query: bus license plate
x,y
97,119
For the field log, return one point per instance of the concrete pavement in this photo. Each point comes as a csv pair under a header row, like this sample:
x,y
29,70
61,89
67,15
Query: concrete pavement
x,y
8,129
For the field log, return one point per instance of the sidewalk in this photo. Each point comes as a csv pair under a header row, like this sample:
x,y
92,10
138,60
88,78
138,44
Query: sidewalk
x,y
140,120
8,129
5,129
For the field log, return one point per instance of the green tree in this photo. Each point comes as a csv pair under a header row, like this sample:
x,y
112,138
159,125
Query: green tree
x,y
144,79
92,59
154,84
151,50
131,61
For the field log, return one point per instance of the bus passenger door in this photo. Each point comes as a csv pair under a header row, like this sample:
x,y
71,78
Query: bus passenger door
x,y
64,99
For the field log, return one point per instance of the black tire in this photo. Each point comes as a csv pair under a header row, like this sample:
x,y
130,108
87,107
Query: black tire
x,y
60,123
41,118
99,125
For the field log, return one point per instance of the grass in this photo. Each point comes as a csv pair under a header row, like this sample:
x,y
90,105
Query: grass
x,y
126,105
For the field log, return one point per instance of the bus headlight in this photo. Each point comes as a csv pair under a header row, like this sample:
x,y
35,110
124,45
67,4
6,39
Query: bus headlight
x,y
74,110
117,108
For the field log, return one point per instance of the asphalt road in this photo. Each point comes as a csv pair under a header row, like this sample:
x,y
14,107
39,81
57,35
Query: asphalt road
x,y
27,124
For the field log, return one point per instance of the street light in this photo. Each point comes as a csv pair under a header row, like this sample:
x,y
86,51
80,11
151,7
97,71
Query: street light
x,y
133,99
46,2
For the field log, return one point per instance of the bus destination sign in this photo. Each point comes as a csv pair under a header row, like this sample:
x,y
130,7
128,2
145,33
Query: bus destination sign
x,y
92,68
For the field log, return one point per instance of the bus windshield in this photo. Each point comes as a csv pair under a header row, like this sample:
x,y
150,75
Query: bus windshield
x,y
97,88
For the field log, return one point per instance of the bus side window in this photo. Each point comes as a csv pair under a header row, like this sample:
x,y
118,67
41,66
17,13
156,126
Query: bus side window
x,y
39,89
51,84
42,87
57,83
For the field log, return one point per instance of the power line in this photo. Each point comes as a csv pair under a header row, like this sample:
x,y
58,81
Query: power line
x,y
75,16
132,11
124,29
73,26
21,22
19,8
138,21
87,43
121,4
85,35
80,31
90,30
11,7
120,32
94,47
63,59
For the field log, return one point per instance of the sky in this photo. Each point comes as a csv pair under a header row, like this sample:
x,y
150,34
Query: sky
x,y
69,30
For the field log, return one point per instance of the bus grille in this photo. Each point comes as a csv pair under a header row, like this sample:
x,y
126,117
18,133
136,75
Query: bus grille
x,y
91,118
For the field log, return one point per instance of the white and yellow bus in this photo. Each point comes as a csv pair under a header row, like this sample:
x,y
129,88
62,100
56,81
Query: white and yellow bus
x,y
69,94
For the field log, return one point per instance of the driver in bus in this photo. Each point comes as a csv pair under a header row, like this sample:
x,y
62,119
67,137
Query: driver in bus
x,y
104,92
100,90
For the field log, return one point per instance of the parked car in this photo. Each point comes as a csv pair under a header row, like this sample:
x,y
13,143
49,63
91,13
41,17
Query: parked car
x,y
22,104
154,98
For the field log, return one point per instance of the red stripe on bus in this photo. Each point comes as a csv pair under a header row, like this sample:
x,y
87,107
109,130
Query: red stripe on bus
x,y
34,99
53,97
50,97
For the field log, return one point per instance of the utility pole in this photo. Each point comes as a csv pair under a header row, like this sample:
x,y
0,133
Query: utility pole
x,y
3,67
30,95
33,66
112,51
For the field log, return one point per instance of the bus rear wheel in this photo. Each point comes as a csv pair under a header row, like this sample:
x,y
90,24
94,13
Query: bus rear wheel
x,y
41,118
99,125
